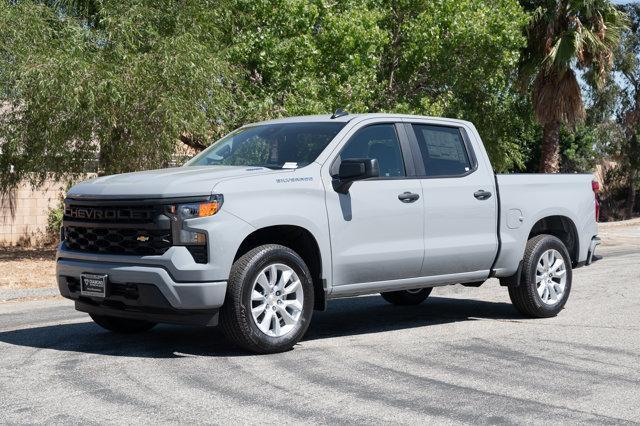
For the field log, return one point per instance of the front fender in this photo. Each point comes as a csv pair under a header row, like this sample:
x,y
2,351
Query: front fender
x,y
296,199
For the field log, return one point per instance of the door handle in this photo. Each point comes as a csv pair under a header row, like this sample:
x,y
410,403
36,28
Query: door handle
x,y
482,194
408,197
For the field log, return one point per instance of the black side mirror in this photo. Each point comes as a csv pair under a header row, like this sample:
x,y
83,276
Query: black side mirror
x,y
353,169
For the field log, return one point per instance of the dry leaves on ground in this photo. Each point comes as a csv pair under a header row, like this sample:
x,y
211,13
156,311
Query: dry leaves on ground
x,y
27,268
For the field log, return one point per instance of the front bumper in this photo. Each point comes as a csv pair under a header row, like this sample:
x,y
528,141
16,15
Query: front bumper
x,y
142,292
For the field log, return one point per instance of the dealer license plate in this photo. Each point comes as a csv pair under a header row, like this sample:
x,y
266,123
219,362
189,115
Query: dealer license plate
x,y
93,285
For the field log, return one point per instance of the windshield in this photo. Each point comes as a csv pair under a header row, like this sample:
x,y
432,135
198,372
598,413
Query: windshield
x,y
276,146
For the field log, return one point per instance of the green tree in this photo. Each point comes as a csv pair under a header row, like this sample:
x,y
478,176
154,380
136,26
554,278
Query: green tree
x,y
455,58
617,106
627,68
125,81
564,35
122,80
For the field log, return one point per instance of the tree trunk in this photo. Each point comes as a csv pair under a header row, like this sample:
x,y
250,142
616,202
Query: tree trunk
x,y
631,195
192,142
550,153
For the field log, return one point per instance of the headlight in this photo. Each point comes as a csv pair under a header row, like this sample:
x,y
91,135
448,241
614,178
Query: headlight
x,y
181,212
202,209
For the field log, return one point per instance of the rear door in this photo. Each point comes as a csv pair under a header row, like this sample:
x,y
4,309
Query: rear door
x,y
460,201
376,228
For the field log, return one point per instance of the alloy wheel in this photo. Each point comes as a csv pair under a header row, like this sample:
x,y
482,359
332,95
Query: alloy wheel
x,y
551,277
276,300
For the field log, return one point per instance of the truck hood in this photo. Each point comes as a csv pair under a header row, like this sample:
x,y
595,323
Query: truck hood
x,y
165,183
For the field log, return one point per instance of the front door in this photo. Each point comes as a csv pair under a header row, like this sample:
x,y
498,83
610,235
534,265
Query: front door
x,y
377,227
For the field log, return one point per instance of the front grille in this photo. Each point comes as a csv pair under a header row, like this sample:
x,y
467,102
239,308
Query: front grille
x,y
116,227
126,214
127,241
123,227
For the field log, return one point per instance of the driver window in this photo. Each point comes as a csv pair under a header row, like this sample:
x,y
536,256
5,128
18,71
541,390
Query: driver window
x,y
380,142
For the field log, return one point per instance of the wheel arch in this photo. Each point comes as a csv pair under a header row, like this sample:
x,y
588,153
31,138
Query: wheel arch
x,y
298,239
561,227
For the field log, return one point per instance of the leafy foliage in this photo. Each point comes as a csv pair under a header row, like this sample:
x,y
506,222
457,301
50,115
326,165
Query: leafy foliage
x,y
124,81
54,222
615,114
563,35
577,149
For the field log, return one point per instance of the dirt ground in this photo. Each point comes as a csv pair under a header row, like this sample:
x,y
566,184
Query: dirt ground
x,y
621,234
27,268
35,268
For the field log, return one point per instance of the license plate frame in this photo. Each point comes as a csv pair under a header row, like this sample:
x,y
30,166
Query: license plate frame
x,y
93,285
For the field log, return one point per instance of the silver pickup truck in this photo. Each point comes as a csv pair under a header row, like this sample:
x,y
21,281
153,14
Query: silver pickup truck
x,y
277,218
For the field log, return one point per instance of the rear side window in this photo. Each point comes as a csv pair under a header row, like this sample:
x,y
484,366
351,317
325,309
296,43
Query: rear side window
x,y
377,141
443,150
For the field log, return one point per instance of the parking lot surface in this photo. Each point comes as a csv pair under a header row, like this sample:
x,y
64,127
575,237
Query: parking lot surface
x,y
464,356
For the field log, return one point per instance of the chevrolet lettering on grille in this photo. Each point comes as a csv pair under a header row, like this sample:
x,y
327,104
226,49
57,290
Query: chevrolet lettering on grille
x,y
97,213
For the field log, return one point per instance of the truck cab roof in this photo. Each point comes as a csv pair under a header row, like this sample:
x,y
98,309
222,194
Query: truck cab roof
x,y
350,117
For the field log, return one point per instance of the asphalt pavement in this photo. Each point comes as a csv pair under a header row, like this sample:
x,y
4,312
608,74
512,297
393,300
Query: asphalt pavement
x,y
464,356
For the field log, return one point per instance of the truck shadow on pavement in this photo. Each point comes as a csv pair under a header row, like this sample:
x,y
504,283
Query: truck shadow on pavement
x,y
344,317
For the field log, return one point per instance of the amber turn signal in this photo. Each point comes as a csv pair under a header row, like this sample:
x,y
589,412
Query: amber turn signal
x,y
208,209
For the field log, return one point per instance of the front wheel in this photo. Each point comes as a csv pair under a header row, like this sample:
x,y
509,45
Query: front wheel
x,y
407,297
269,300
545,283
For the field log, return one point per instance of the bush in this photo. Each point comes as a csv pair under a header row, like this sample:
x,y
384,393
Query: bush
x,y
54,222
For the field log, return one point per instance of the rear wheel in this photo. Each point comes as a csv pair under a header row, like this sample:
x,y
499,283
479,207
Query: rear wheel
x,y
545,283
407,297
122,325
269,300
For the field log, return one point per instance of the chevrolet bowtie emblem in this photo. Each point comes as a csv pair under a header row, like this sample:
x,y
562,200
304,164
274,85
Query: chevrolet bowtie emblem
x,y
143,238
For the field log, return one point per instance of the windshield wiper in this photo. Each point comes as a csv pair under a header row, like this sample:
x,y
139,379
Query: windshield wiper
x,y
269,166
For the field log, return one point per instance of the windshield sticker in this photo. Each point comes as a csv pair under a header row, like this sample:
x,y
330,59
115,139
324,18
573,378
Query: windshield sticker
x,y
290,165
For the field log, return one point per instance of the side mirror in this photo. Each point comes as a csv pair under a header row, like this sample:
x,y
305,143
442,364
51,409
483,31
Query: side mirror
x,y
353,169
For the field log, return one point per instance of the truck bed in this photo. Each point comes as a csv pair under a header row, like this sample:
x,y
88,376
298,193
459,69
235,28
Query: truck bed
x,y
526,198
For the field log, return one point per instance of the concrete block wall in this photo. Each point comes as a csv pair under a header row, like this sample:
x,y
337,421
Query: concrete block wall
x,y
24,212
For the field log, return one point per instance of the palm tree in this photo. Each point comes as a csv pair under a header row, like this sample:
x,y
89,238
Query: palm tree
x,y
564,36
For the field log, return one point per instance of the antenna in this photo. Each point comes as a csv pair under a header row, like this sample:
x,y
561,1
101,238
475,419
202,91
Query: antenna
x,y
339,113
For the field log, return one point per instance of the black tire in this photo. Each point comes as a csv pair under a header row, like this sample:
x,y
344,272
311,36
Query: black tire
x,y
122,325
525,297
407,297
236,318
